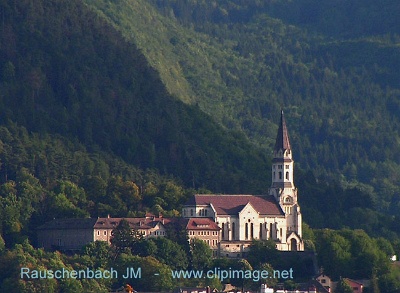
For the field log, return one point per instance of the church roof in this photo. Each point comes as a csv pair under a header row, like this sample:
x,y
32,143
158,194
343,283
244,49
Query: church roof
x,y
227,204
282,138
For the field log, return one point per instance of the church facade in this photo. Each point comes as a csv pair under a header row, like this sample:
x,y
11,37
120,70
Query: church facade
x,y
242,218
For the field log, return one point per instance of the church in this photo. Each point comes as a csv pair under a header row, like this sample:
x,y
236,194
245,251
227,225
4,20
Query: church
x,y
241,217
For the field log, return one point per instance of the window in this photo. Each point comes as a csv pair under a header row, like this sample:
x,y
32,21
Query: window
x,y
233,231
191,212
280,175
98,232
223,231
205,213
270,230
246,231
287,175
251,231
261,226
287,166
105,233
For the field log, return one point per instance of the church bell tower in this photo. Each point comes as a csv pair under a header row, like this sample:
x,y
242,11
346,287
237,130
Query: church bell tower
x,y
282,187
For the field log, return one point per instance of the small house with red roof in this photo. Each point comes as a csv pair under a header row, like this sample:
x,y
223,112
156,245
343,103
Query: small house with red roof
x,y
355,285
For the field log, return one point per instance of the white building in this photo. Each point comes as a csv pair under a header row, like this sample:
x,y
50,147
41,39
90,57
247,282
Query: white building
x,y
241,218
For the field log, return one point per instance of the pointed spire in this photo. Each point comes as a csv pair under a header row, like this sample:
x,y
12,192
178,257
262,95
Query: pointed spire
x,y
282,138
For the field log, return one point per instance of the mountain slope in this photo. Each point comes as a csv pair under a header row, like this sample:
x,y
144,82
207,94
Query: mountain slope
x,y
66,71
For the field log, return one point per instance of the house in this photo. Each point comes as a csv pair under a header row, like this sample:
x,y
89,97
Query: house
x,y
203,228
355,285
325,281
73,234
243,217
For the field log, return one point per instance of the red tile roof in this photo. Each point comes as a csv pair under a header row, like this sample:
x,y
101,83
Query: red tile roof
x,y
227,204
104,223
201,224
136,223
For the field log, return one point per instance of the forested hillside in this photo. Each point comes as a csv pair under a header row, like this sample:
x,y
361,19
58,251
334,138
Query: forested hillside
x,y
66,71
244,60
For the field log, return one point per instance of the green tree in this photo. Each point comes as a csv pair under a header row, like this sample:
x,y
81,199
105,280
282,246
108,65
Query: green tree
x,y
201,254
99,251
334,253
262,251
123,237
155,276
170,253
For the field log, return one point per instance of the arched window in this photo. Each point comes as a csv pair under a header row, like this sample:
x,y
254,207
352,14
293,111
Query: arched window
x,y
205,213
261,227
251,231
293,244
191,212
246,231
223,231
233,231
270,230
287,175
